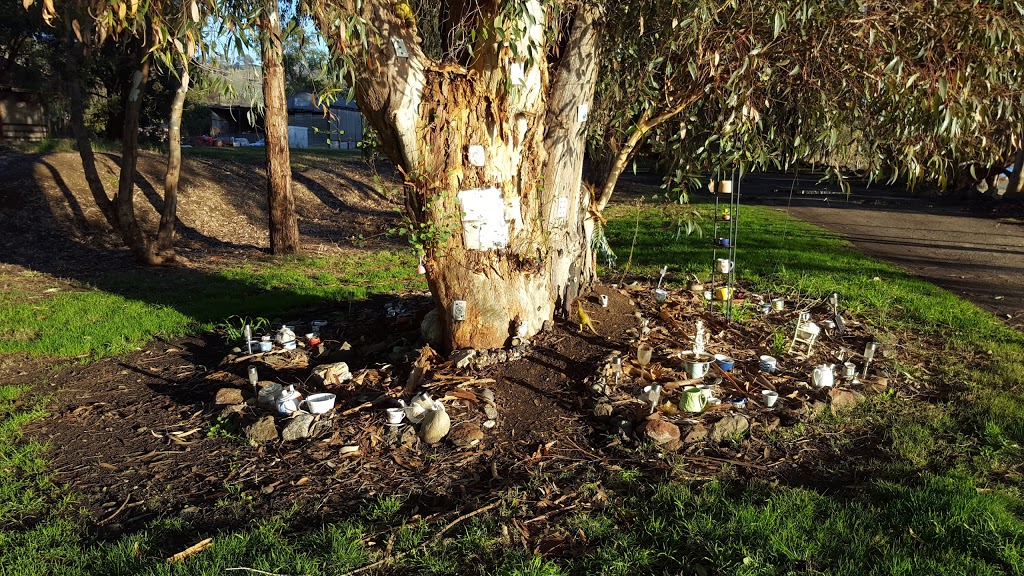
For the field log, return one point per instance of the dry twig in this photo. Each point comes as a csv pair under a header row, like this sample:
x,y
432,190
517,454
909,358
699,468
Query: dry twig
x,y
197,547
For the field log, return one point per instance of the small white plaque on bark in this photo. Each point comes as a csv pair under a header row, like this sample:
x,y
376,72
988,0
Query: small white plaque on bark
x,y
582,113
459,310
562,208
483,219
518,73
400,50
477,157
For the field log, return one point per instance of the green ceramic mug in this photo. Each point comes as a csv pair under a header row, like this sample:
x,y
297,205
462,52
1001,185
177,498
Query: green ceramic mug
x,y
693,400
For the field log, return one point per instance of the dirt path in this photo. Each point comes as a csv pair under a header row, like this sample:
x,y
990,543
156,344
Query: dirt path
x,y
976,256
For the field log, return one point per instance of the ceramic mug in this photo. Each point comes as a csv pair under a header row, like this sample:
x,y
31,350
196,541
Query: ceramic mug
x,y
724,362
769,397
849,370
722,242
693,400
768,364
604,300
696,368
706,390
660,295
778,304
723,293
723,265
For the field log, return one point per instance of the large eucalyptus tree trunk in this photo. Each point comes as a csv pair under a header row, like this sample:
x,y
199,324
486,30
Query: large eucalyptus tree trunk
x,y
510,237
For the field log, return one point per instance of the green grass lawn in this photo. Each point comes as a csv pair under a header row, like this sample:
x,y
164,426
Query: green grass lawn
x,y
940,495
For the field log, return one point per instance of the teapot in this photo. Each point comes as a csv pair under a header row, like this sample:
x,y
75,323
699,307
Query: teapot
x,y
285,334
288,401
822,376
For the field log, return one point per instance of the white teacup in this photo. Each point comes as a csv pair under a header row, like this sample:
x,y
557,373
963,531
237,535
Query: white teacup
x,y
395,415
769,397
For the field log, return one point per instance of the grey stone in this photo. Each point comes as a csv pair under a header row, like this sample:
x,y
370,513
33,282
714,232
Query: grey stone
x,y
732,426
228,397
431,328
603,409
332,374
435,426
695,433
297,428
841,399
490,411
461,358
660,432
262,430
487,394
490,424
232,411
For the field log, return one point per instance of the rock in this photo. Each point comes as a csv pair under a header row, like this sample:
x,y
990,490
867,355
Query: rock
x,y
490,424
236,350
490,411
409,436
672,445
732,426
461,358
466,435
841,399
547,326
435,426
487,394
431,328
228,397
297,428
231,411
603,409
332,374
695,433
877,386
815,409
262,430
660,432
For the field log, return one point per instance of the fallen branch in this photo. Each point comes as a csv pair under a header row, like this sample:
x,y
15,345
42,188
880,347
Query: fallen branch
x,y
731,379
254,571
426,544
118,511
197,547
365,405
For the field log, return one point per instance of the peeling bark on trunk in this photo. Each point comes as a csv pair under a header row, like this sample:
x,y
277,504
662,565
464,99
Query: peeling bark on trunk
x,y
428,114
284,228
169,212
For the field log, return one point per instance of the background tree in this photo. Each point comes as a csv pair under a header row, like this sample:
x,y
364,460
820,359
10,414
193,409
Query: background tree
x,y
153,33
918,87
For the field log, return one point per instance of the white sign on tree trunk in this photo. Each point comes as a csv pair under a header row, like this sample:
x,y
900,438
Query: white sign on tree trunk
x,y
477,157
582,113
400,50
483,219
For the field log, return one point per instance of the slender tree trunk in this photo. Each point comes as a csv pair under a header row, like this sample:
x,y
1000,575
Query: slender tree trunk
x,y
169,213
73,63
131,232
284,227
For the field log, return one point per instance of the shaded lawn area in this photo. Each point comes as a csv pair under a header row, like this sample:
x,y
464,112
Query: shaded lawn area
x,y
940,496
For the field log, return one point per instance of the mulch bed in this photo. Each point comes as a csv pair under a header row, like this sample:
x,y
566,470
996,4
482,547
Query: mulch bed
x,y
137,437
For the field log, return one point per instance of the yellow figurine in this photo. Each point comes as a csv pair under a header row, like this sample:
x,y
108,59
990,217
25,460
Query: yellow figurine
x,y
584,319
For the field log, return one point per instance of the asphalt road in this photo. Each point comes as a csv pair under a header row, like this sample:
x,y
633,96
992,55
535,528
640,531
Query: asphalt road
x,y
977,253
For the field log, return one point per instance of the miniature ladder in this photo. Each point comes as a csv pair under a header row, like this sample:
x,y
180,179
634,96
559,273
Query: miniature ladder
x,y
806,333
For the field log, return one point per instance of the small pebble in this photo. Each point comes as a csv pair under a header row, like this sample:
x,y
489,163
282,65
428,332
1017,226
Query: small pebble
x,y
490,411
490,424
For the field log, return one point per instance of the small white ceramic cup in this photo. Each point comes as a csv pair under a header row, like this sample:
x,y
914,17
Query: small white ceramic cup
x,y
604,300
396,415
769,397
